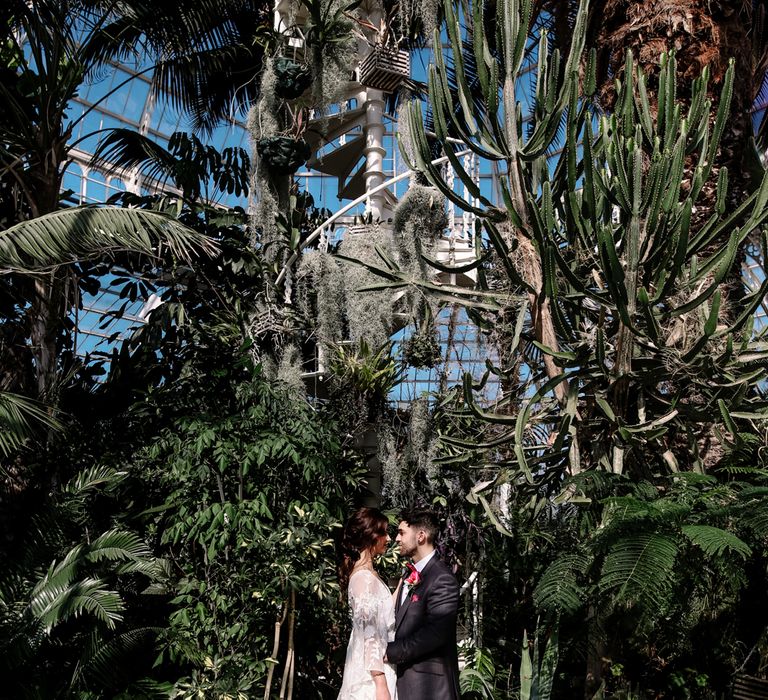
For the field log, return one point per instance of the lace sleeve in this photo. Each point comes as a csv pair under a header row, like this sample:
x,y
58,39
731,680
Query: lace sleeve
x,y
365,603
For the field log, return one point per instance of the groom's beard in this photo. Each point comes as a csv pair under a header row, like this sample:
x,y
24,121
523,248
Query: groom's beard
x,y
407,552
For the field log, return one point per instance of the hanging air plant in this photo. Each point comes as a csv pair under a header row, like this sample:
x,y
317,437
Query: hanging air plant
x,y
292,78
283,155
422,350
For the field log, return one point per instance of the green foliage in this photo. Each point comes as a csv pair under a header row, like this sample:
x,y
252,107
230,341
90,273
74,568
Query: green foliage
x,y
251,499
364,376
67,608
536,678
197,169
283,155
477,677
59,595
292,78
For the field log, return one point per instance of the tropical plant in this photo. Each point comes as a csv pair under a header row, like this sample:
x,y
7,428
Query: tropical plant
x,y
19,419
477,677
67,609
536,678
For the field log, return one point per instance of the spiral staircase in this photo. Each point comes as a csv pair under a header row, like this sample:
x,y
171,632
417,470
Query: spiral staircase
x,y
352,146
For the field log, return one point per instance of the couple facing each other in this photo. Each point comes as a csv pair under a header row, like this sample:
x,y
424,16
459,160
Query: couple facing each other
x,y
403,644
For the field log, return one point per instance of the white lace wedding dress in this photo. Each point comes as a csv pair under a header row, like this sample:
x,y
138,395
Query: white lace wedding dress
x,y
373,625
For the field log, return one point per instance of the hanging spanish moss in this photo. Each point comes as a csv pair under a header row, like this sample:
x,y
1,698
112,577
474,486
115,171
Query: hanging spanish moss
x,y
419,17
263,123
369,313
321,295
393,484
408,457
419,220
289,369
333,55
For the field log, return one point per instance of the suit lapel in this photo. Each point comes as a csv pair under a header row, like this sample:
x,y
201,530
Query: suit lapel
x,y
402,608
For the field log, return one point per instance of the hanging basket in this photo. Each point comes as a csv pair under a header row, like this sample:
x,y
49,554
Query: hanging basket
x,y
385,68
292,79
283,155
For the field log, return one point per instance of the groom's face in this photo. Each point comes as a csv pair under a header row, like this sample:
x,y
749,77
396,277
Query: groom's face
x,y
407,538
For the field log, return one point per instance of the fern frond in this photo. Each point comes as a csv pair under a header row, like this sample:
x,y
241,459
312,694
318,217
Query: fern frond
x,y
753,513
715,541
638,569
559,589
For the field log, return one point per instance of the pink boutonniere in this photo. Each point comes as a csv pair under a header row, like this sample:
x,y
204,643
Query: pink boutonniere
x,y
414,577
414,598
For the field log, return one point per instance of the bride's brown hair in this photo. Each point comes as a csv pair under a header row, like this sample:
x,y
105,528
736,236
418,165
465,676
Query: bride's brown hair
x,y
361,532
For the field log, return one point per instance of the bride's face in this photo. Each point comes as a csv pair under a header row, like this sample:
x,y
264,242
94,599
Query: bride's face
x,y
381,544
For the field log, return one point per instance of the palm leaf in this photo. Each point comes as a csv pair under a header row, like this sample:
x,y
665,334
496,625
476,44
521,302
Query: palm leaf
x,y
93,477
209,53
715,541
19,419
106,660
126,149
54,604
116,545
638,569
89,231
753,510
187,162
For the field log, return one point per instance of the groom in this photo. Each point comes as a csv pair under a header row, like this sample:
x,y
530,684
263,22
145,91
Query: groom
x,y
426,605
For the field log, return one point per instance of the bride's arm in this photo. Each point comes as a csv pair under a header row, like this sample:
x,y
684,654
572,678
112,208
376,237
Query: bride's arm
x,y
365,603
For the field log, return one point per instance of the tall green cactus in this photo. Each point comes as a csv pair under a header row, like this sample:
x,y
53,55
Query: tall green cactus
x,y
636,338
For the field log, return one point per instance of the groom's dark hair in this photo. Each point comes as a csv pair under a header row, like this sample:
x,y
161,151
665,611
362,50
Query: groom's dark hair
x,y
423,519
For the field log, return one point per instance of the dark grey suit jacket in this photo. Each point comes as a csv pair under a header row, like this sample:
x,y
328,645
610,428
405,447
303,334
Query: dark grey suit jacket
x,y
424,648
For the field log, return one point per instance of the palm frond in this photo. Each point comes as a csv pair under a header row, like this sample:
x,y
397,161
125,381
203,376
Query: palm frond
x,y
126,149
753,510
89,231
187,162
208,53
638,569
54,604
116,545
715,541
59,595
20,418
93,477
101,660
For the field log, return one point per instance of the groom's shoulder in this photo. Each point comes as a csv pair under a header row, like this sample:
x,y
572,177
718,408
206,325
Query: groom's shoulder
x,y
442,569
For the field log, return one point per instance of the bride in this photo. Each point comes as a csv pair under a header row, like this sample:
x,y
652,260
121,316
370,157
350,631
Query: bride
x,y
366,675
